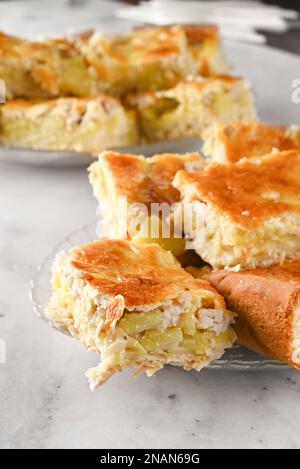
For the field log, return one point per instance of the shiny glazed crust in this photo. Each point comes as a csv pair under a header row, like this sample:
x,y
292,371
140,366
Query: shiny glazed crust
x,y
143,274
140,179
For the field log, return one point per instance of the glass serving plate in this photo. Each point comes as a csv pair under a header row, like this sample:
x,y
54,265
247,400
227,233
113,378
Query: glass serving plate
x,y
237,358
58,158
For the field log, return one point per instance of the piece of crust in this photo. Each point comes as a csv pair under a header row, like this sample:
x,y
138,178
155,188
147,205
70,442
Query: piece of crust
x,y
267,302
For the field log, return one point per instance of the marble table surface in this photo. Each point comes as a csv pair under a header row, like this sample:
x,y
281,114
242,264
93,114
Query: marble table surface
x,y
44,397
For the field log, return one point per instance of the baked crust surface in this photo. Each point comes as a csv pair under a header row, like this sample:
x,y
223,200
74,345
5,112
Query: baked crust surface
x,y
266,301
143,274
250,191
230,143
140,179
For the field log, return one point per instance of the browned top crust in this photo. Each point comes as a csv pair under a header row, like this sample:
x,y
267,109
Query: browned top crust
x,y
144,43
200,32
143,180
246,140
194,32
265,300
12,46
142,274
249,191
287,272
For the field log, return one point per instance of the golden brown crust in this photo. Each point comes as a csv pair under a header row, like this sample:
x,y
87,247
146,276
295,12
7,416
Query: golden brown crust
x,y
38,68
143,180
265,300
141,274
203,43
145,43
245,140
249,191
200,32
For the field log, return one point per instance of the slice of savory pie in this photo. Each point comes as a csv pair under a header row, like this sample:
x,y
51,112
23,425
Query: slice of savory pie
x,y
268,305
229,143
246,213
153,57
138,308
136,196
192,106
44,69
79,124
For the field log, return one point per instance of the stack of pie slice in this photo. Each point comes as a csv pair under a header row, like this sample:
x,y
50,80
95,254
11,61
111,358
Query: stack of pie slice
x,y
92,92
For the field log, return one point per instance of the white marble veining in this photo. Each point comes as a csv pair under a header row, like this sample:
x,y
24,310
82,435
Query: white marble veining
x,y
44,397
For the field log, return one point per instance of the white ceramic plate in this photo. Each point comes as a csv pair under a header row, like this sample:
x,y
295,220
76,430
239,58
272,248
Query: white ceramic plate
x,y
271,73
238,358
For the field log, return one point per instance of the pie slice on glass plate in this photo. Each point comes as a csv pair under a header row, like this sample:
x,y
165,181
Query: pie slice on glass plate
x,y
86,125
138,308
192,106
154,57
136,196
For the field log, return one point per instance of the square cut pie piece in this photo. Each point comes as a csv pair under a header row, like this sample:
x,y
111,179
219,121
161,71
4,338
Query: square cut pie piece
x,y
129,187
153,57
138,308
85,125
245,213
44,69
193,106
229,143
267,301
